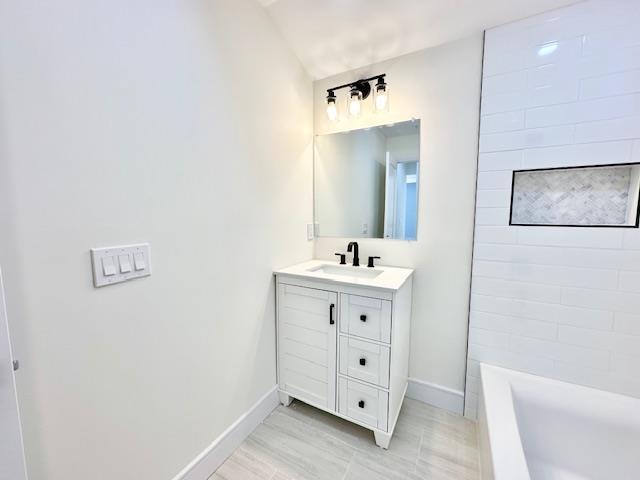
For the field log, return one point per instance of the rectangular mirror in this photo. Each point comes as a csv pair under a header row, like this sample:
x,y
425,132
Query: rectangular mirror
x,y
366,182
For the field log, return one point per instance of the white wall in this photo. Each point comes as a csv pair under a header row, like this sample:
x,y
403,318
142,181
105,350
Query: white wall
x,y
560,302
349,175
184,123
441,86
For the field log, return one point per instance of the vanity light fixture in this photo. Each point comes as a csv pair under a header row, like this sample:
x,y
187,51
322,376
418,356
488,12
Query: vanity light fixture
x,y
358,92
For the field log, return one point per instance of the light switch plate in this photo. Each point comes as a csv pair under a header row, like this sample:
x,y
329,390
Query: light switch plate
x,y
120,256
310,233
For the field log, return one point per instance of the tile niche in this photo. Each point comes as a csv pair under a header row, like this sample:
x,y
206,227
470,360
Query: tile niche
x,y
592,196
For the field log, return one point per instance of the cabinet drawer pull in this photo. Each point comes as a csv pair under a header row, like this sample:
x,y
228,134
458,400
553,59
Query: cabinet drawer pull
x,y
331,320
363,361
361,403
363,318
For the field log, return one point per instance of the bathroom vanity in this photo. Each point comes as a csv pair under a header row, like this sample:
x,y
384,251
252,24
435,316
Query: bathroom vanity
x,y
343,341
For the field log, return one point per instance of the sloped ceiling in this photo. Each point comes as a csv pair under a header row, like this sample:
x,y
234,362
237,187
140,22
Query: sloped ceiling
x,y
333,36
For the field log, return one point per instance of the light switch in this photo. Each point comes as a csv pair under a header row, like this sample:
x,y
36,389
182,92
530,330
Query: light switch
x,y
125,263
108,266
121,263
138,261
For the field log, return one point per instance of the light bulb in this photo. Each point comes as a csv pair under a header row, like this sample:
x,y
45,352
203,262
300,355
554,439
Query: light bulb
x,y
354,107
332,108
381,94
332,111
355,102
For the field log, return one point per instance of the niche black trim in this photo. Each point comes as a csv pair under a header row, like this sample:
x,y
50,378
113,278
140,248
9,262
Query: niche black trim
x,y
604,165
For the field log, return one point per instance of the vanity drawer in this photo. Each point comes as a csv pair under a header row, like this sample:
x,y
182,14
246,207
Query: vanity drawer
x,y
364,360
365,317
363,403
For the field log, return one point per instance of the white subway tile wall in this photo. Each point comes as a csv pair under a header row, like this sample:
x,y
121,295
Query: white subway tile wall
x,y
559,89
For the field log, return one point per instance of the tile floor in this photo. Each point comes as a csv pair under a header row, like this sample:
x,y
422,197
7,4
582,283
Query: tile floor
x,y
304,443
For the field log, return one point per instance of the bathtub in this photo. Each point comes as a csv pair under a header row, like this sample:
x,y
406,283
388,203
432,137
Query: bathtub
x,y
535,428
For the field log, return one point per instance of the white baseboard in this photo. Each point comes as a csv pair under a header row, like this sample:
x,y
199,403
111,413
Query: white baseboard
x,y
203,466
436,395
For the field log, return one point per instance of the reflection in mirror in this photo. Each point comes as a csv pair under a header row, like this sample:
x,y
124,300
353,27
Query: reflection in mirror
x,y
366,182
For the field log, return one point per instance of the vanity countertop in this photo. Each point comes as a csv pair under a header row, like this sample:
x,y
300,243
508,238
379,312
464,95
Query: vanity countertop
x,y
382,277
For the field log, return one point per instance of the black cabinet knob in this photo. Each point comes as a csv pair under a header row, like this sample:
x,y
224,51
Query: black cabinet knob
x,y
363,318
361,403
363,361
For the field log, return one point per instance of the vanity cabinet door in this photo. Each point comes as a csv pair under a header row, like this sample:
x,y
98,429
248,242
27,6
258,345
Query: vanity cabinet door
x,y
307,320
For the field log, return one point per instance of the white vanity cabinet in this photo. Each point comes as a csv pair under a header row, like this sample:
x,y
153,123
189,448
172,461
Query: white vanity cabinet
x,y
343,341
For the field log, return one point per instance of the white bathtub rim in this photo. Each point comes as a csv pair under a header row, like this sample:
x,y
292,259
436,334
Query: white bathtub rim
x,y
505,445
503,442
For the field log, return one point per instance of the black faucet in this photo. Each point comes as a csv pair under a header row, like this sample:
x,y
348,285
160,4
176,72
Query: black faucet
x,y
354,246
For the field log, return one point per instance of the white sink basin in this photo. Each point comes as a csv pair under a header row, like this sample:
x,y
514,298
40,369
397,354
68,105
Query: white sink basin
x,y
345,271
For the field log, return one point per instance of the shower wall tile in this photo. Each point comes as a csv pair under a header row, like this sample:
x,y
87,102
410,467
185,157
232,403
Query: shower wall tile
x,y
635,153
503,122
549,274
571,237
530,138
608,130
578,155
626,365
492,216
494,198
555,301
601,41
500,161
505,84
500,234
614,61
584,111
631,240
519,290
630,281
628,323
608,85
494,180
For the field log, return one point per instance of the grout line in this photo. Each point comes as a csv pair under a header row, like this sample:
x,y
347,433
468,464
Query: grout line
x,y
551,285
525,108
555,264
524,148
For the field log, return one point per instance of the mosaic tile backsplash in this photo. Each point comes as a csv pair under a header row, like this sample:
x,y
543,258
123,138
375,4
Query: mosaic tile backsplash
x,y
579,196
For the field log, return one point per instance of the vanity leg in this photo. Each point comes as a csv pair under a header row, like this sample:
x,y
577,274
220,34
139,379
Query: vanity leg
x,y
285,399
382,439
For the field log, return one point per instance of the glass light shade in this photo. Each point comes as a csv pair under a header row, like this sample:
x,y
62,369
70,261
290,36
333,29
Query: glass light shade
x,y
332,110
381,98
355,103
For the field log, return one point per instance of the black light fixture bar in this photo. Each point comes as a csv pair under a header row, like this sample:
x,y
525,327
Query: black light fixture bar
x,y
357,83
